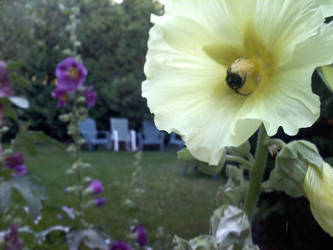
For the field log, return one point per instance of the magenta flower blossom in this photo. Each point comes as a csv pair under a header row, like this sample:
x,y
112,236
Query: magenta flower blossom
x,y
96,187
100,202
62,96
16,163
71,74
90,96
118,245
141,235
5,87
11,239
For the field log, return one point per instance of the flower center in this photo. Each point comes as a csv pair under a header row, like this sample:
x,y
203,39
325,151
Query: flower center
x,y
64,98
73,73
242,76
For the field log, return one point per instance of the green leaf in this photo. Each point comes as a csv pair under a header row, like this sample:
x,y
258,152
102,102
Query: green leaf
x,y
89,237
290,167
326,74
5,196
10,113
231,228
29,138
185,155
242,151
181,244
32,193
203,242
235,190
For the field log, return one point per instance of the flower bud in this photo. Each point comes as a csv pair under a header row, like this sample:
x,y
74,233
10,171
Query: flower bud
x,y
65,117
95,187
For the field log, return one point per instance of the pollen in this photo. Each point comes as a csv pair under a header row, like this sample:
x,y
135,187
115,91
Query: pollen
x,y
242,76
73,73
242,67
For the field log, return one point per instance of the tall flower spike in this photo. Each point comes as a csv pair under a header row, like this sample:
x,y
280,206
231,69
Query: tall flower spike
x,y
216,70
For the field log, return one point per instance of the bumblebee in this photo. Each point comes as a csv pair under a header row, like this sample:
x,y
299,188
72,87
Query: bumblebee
x,y
235,81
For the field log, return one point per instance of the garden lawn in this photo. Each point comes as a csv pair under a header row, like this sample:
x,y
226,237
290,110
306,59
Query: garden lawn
x,y
162,198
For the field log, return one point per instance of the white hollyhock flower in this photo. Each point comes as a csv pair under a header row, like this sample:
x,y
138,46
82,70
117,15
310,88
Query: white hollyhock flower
x,y
217,69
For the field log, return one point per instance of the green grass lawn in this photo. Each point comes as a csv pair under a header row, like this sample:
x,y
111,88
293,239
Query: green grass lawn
x,y
181,205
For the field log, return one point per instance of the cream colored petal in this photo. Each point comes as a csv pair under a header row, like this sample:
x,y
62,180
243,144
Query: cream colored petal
x,y
283,24
326,7
184,34
224,18
286,101
188,95
315,51
318,187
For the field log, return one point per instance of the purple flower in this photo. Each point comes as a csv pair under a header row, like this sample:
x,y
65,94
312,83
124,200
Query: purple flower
x,y
11,239
60,216
62,96
99,202
70,74
5,87
90,96
16,162
118,245
141,235
96,187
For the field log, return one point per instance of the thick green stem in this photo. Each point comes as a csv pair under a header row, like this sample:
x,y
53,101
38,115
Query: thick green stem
x,y
76,138
256,173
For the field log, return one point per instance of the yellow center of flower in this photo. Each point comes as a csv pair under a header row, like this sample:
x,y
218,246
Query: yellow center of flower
x,y
249,65
64,98
73,73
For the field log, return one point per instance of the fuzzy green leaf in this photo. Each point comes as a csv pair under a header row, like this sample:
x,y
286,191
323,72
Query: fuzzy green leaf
x,y
5,196
32,193
290,167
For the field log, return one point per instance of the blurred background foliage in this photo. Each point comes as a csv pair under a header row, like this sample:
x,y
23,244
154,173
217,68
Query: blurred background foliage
x,y
35,35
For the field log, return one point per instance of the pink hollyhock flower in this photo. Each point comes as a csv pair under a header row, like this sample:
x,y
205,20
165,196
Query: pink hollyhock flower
x,y
70,74
11,239
96,187
141,235
62,96
99,202
118,245
5,87
90,96
16,162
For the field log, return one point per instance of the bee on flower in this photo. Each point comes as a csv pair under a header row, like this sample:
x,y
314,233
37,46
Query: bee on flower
x,y
217,69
